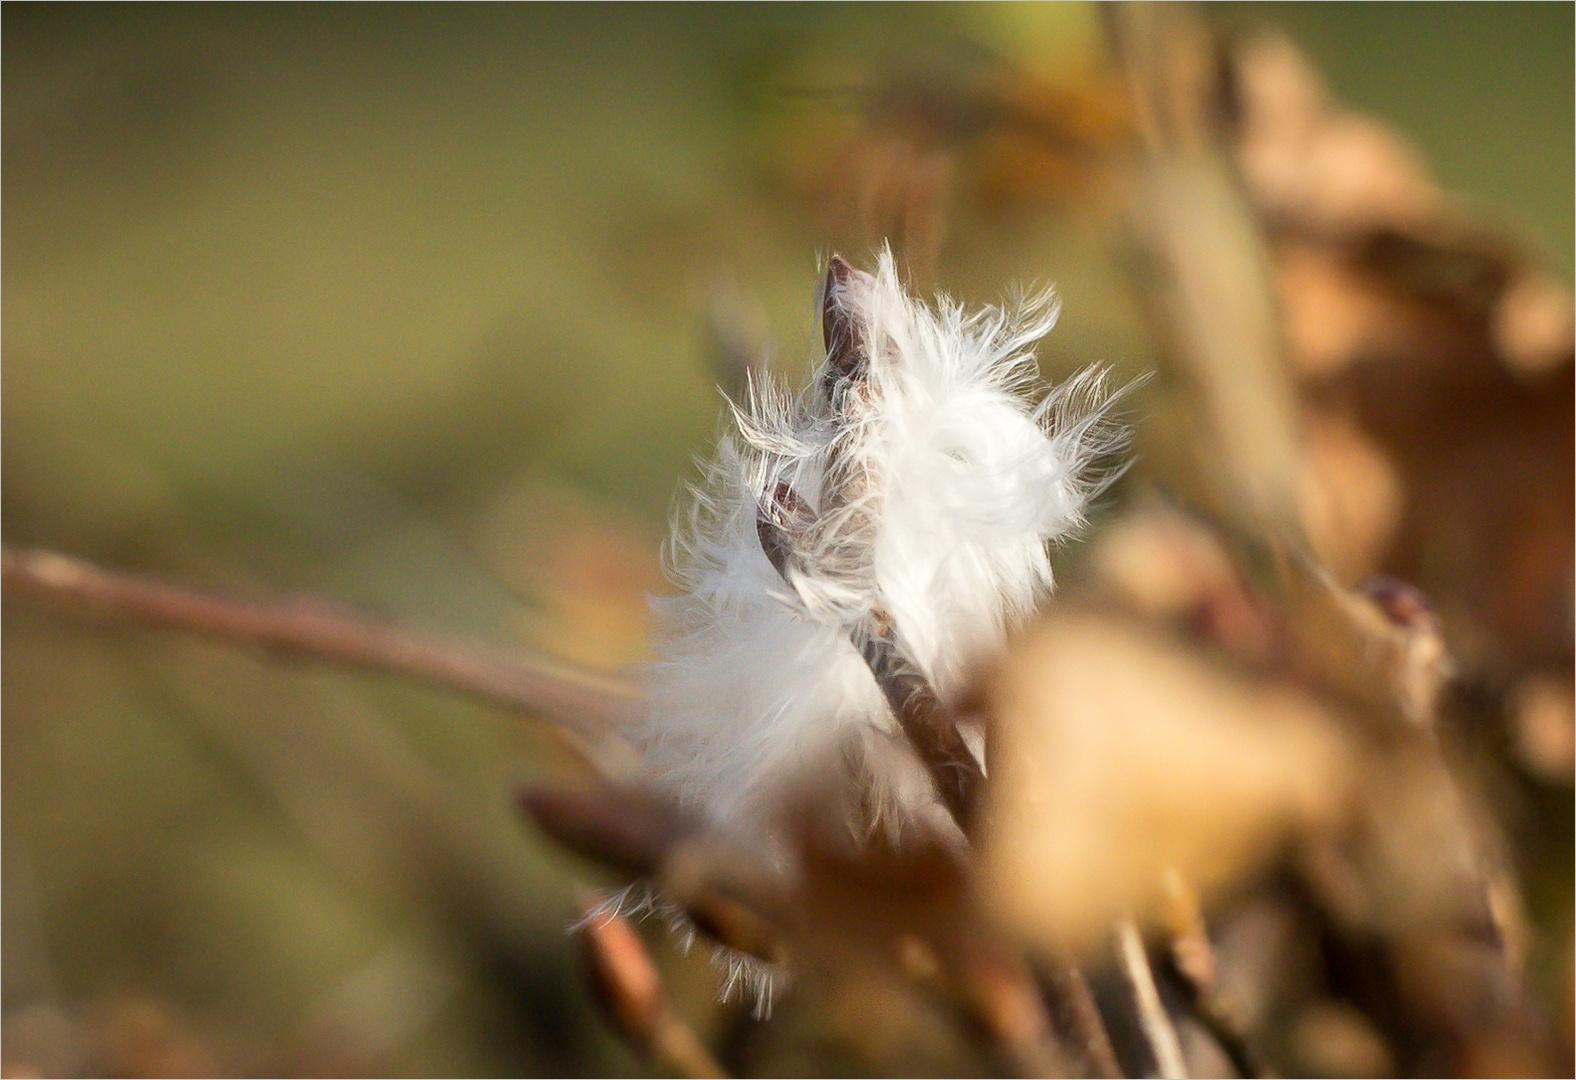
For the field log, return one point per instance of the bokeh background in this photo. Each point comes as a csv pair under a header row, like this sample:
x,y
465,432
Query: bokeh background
x,y
425,309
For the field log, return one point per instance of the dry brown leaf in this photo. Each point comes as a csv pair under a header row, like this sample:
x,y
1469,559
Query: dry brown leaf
x,y
1119,755
1305,160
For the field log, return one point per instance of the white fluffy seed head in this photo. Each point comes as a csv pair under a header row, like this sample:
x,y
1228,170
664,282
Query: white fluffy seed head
x,y
916,475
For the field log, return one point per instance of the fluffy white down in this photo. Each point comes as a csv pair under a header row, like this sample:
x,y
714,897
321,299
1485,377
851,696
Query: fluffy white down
x,y
934,485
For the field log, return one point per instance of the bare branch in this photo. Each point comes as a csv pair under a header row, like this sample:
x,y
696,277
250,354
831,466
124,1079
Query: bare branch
x,y
583,701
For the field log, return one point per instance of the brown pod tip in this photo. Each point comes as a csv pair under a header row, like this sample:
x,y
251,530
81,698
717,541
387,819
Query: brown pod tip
x,y
837,324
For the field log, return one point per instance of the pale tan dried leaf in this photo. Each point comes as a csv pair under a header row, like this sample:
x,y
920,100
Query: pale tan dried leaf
x,y
1119,754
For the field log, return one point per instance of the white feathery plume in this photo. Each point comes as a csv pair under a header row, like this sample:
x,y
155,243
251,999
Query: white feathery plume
x,y
915,476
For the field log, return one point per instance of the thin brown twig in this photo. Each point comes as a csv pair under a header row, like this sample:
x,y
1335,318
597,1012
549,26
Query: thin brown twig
x,y
583,701
1079,1017
784,520
630,989
1002,995
930,726
630,830
1201,267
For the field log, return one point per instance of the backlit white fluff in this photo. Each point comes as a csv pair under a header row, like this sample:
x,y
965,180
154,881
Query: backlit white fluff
x,y
926,485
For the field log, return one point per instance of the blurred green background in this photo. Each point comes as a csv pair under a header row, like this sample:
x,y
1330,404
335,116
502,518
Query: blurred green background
x,y
424,308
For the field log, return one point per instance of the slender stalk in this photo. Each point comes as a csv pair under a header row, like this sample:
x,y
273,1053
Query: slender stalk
x,y
930,726
630,989
1078,1015
1007,1004
582,700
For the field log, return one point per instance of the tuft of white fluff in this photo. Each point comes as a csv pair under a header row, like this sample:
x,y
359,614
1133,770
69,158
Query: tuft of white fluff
x,y
926,485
